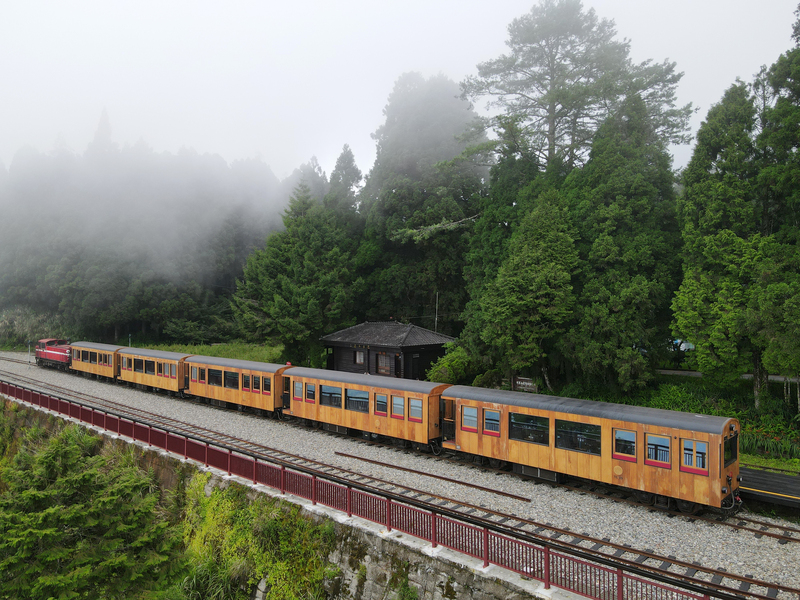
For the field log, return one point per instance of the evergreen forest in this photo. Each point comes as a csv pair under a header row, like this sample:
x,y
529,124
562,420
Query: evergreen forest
x,y
555,239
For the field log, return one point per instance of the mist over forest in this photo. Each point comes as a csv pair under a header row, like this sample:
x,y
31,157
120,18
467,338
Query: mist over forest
x,y
553,238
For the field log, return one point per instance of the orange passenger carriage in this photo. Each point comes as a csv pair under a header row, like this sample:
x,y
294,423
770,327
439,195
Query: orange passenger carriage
x,y
241,382
402,409
100,360
53,352
152,368
664,456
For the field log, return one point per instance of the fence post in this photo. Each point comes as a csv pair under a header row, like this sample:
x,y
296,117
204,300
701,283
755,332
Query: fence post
x,y
434,540
388,514
314,490
205,458
485,547
620,584
254,471
230,454
283,479
349,501
547,567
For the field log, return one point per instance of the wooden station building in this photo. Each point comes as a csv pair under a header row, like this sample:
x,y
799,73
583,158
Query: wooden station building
x,y
385,348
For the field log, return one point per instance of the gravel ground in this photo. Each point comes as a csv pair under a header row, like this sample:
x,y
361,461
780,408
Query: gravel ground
x,y
740,553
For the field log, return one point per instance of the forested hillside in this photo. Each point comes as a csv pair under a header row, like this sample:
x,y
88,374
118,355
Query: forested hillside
x,y
555,239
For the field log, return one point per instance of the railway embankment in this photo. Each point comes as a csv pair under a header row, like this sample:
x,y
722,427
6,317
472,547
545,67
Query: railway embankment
x,y
365,561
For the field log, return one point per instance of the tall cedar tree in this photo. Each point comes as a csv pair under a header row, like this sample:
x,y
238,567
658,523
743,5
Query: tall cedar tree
x,y
565,74
300,286
526,308
624,207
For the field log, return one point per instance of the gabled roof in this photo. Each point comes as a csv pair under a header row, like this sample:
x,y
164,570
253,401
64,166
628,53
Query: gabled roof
x,y
387,333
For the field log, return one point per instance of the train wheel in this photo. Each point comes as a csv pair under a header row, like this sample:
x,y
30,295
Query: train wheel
x,y
685,506
646,498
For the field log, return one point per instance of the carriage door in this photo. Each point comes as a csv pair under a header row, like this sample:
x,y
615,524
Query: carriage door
x,y
287,388
448,413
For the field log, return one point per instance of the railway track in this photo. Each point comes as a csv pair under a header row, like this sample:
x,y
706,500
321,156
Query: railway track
x,y
723,584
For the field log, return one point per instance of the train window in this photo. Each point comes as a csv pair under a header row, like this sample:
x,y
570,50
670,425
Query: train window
x,y
358,357
695,457
581,437
138,365
194,373
150,367
398,407
357,400
384,367
173,370
84,356
256,383
415,410
529,428
267,385
203,377
231,380
93,358
381,403
625,445
246,382
311,392
469,418
657,450
297,393
214,377
491,422
159,369
731,449
76,355
330,396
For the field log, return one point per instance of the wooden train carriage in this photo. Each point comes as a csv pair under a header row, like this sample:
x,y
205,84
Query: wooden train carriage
x,y
659,453
100,360
242,382
397,408
152,368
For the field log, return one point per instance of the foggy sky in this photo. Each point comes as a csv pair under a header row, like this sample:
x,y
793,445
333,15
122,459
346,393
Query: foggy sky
x,y
285,82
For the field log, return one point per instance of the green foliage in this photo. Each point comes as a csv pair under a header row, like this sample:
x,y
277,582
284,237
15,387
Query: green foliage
x,y
456,366
76,523
21,324
237,350
234,543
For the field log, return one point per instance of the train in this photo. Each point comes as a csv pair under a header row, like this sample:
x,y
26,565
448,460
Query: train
x,y
664,458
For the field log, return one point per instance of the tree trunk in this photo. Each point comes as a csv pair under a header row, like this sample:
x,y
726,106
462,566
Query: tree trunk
x,y
546,378
760,378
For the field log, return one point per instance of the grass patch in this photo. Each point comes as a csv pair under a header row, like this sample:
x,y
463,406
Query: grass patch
x,y
235,350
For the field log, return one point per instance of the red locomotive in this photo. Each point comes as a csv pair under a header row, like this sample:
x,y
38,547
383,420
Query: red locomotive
x,y
53,353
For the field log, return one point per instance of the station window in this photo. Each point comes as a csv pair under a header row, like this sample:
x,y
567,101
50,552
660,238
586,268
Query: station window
x,y
194,373
657,450
214,377
246,382
580,437
267,385
398,407
529,428
469,418
311,392
357,400
256,383
358,357
381,403
415,410
695,457
203,377
298,390
231,380
330,396
625,445
491,422
384,366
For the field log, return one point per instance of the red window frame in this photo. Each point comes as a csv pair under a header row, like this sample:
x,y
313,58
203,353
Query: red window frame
x,y
401,416
489,431
618,456
653,462
693,469
314,399
266,385
386,399
469,427
421,410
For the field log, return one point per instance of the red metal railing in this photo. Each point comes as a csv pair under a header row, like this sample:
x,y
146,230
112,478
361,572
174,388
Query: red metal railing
x,y
530,560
